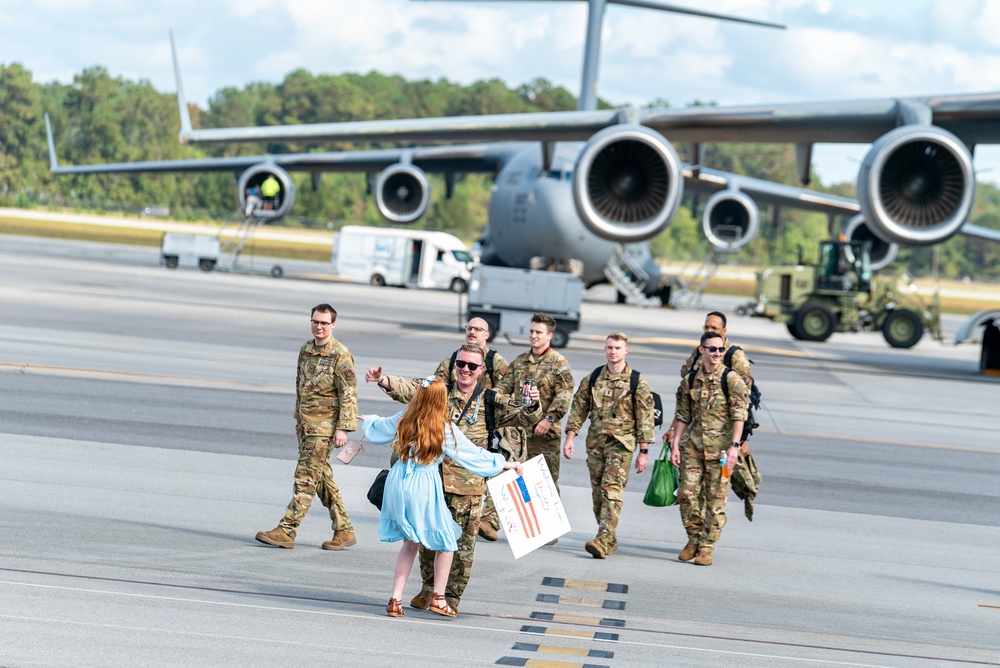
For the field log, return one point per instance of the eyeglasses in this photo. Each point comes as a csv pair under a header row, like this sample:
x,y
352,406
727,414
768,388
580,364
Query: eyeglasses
x,y
470,328
320,323
714,349
461,364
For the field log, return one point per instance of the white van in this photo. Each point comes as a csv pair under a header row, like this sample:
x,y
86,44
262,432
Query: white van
x,y
410,258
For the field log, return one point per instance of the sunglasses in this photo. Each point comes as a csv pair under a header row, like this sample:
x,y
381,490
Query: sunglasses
x,y
461,364
714,349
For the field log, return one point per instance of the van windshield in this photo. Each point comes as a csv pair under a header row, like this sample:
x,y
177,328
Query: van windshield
x,y
462,256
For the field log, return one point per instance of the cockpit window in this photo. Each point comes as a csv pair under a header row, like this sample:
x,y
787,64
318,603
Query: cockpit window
x,y
462,256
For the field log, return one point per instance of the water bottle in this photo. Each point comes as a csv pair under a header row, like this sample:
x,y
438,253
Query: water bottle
x,y
726,471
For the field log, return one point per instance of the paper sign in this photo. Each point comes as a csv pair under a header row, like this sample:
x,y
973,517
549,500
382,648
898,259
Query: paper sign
x,y
531,512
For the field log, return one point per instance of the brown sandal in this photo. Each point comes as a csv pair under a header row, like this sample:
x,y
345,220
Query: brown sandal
x,y
395,608
441,607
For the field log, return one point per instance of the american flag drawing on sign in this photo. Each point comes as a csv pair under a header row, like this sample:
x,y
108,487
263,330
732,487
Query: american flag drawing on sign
x,y
525,509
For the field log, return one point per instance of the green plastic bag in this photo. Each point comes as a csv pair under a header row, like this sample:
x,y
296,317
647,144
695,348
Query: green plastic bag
x,y
662,490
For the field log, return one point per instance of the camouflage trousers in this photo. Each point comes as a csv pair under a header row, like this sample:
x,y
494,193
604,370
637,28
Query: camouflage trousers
x,y
465,510
314,477
551,450
702,495
609,462
489,514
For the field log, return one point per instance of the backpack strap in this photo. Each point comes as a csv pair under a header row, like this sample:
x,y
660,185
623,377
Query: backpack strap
x,y
491,398
728,358
489,364
451,365
593,379
725,383
633,382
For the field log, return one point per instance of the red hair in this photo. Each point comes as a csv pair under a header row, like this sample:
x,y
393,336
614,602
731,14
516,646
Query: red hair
x,y
420,432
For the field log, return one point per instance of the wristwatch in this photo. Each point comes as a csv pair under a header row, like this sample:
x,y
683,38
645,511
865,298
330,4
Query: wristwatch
x,y
736,444
550,418
643,451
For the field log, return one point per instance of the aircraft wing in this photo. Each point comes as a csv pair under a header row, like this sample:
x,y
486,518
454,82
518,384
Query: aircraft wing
x,y
711,181
973,118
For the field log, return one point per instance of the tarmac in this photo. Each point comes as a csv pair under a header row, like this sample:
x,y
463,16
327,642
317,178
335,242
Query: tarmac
x,y
146,436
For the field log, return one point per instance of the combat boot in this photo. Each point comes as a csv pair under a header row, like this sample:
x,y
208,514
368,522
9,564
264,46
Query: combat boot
x,y
704,558
422,600
341,539
276,537
595,549
687,554
487,532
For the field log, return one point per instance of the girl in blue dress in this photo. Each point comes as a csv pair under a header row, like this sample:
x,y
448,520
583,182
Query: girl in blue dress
x,y
413,506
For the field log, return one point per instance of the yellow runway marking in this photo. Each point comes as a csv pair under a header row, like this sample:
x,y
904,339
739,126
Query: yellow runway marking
x,y
987,605
572,651
878,441
584,584
97,373
579,600
668,341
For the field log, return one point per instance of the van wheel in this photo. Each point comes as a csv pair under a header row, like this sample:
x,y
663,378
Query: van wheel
x,y
170,261
277,271
206,265
377,280
458,285
902,328
494,324
559,338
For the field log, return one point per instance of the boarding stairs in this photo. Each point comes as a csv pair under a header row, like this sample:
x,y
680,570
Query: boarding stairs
x,y
692,288
624,271
230,247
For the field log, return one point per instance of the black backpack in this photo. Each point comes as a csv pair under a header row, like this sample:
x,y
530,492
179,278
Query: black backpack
x,y
727,361
633,385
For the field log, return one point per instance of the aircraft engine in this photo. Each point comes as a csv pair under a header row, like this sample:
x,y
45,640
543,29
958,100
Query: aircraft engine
x,y
916,185
402,193
283,201
627,184
730,220
882,254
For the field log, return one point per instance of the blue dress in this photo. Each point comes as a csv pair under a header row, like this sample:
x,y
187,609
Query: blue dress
x,y
413,506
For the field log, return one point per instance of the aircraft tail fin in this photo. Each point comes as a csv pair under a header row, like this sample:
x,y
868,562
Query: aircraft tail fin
x,y
53,162
182,107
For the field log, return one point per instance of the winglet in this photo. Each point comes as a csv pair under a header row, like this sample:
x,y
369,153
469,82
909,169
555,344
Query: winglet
x,y
185,133
53,163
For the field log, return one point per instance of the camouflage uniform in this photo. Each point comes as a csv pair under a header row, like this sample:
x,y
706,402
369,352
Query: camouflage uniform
x,y
509,434
326,399
618,422
710,417
463,491
554,380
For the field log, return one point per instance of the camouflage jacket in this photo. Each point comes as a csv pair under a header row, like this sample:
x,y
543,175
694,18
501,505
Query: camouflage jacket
x,y
456,479
326,389
612,409
499,369
703,406
554,380
741,363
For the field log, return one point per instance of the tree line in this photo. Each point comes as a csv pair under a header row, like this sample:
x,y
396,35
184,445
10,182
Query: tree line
x,y
104,118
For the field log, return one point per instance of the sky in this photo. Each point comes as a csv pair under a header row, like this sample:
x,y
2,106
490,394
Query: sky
x,y
831,49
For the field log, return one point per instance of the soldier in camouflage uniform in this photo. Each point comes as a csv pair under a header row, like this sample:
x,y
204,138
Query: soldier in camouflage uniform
x,y
477,332
551,373
619,421
463,491
715,425
326,408
716,322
